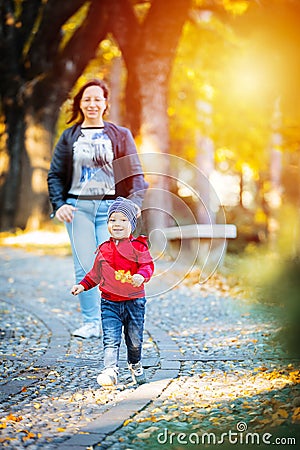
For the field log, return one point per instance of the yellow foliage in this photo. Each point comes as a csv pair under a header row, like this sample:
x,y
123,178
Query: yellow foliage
x,y
296,415
280,414
28,436
13,418
236,7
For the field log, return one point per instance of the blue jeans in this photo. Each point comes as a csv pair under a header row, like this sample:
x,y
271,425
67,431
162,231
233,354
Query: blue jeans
x,y
129,315
87,230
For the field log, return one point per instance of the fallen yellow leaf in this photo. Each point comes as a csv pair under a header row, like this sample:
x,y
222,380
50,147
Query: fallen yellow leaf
x,y
127,422
282,413
29,436
13,418
295,419
147,419
296,415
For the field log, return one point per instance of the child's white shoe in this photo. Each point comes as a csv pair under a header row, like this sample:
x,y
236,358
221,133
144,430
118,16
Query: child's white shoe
x,y
137,373
108,377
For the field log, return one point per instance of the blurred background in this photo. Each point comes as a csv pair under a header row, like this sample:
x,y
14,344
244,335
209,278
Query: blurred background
x,y
214,83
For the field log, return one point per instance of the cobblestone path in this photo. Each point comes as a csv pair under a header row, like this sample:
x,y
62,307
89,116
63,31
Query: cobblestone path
x,y
210,362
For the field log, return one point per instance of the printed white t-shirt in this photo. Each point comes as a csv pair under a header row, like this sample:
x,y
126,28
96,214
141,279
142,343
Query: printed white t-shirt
x,y
92,164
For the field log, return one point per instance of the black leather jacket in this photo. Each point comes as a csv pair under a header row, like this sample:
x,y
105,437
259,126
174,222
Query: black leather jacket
x,y
129,177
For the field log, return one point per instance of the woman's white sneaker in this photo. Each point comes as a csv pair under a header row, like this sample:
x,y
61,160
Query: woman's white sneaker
x,y
89,330
108,377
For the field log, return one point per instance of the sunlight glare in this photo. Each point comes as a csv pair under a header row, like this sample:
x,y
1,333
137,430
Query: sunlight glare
x,y
227,187
45,238
249,77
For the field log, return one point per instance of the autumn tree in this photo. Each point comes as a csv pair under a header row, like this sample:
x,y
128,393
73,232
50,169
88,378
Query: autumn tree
x,y
246,70
41,60
37,71
39,66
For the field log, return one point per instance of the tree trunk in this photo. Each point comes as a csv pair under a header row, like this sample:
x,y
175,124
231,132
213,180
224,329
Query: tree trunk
x,y
38,70
34,203
115,84
274,195
133,98
158,207
149,63
154,135
208,201
15,128
30,126
48,70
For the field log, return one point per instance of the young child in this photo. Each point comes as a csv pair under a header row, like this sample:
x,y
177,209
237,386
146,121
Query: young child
x,y
121,267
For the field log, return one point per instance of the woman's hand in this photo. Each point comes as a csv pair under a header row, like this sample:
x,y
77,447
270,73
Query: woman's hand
x,y
137,280
65,213
77,289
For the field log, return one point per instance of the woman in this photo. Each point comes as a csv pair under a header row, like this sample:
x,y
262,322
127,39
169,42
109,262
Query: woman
x,y
94,162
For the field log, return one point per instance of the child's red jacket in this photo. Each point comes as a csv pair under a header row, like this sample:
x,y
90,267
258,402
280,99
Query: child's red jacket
x,y
114,262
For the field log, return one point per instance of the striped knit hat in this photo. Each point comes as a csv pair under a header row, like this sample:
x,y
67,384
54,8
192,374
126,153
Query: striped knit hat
x,y
127,207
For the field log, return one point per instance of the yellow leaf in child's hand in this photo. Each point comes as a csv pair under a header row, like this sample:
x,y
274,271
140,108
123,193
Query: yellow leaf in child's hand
x,y
118,276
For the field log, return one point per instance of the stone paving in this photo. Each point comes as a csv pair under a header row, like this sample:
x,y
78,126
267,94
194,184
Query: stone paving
x,y
210,361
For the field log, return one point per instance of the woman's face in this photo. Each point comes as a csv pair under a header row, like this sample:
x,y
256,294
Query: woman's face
x,y
93,105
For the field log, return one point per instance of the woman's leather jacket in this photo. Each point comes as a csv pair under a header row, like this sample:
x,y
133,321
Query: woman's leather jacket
x,y
128,173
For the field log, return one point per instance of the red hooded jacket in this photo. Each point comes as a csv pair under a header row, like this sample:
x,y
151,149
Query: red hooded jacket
x,y
115,264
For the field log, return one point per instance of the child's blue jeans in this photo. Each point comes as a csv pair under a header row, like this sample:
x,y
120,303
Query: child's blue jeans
x,y
128,315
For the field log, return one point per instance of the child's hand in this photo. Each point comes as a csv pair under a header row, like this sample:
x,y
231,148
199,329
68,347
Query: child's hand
x,y
137,280
76,289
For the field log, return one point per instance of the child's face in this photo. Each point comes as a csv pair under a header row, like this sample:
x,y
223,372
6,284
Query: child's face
x,y
119,226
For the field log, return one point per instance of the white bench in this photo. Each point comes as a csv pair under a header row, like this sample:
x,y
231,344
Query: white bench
x,y
206,244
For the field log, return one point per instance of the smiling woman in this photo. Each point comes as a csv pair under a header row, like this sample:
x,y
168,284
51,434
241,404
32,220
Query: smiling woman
x,y
94,162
